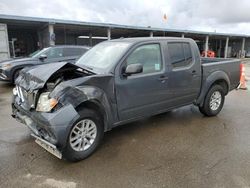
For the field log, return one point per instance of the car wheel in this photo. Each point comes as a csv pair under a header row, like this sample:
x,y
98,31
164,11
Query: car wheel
x,y
214,101
84,137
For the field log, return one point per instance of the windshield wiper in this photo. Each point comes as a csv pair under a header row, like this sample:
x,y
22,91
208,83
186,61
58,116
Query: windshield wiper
x,y
86,67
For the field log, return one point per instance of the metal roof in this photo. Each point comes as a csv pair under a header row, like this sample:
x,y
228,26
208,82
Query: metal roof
x,y
13,18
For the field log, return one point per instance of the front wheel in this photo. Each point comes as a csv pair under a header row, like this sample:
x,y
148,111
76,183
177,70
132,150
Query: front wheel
x,y
84,137
214,101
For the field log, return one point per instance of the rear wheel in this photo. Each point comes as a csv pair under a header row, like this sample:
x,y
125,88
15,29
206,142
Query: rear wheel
x,y
84,137
214,101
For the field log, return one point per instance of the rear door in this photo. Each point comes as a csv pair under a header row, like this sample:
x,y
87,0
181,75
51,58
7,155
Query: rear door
x,y
185,72
144,93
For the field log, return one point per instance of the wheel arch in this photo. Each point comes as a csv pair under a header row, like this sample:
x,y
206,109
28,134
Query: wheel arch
x,y
97,107
216,78
223,83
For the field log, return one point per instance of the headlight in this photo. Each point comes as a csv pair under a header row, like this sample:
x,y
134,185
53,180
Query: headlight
x,y
45,104
6,66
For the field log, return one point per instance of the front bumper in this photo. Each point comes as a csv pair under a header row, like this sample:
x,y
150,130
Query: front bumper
x,y
53,127
48,146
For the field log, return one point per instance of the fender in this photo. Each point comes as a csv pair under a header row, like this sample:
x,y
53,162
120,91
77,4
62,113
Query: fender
x,y
209,81
86,94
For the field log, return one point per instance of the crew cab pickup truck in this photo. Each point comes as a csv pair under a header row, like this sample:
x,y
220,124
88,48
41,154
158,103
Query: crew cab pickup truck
x,y
68,107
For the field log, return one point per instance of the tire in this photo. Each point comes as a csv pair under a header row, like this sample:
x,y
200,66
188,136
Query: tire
x,y
86,146
214,101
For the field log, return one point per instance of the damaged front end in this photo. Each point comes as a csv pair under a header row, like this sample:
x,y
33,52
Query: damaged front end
x,y
37,106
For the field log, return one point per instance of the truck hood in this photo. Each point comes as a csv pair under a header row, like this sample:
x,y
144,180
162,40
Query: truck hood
x,y
33,78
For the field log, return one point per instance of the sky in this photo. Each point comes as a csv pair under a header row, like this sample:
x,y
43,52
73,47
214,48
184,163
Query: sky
x,y
223,16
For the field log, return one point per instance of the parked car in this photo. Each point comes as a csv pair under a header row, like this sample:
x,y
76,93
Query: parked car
x,y
69,107
9,69
247,54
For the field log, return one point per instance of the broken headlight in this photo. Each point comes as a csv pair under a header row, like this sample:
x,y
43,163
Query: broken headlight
x,y
45,104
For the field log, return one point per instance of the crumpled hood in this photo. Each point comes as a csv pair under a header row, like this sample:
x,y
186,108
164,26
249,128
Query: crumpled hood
x,y
33,78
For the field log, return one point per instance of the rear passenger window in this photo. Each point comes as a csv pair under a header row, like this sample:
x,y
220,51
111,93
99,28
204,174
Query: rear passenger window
x,y
73,51
180,54
149,56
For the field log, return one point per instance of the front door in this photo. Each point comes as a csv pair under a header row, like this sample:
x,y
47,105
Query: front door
x,y
144,93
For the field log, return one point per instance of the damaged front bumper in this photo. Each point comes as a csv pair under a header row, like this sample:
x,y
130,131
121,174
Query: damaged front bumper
x,y
50,129
48,146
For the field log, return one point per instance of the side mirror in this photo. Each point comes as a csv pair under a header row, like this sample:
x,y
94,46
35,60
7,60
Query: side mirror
x,y
42,57
133,69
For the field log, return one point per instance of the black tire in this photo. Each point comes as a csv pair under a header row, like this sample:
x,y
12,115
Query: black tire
x,y
68,152
206,109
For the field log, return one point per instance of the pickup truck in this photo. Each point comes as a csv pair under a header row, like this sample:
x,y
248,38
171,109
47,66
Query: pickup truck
x,y
68,107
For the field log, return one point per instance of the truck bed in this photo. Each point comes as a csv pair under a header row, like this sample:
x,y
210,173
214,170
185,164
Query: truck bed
x,y
230,66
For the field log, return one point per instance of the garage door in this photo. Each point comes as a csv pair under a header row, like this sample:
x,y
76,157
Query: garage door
x,y
4,43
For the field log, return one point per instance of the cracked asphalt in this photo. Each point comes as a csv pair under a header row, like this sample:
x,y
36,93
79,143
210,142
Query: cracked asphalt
x,y
180,148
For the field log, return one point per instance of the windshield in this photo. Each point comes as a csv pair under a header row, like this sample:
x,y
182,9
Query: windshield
x,y
38,53
103,56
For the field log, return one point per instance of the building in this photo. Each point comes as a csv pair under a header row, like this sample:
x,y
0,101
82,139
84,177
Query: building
x,y
20,36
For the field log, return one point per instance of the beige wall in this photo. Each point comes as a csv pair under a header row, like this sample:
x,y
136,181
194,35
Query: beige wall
x,y
4,42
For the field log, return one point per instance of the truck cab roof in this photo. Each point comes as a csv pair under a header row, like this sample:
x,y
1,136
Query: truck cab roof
x,y
148,39
70,46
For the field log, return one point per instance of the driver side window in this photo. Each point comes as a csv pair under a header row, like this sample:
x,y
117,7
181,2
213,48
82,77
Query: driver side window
x,y
149,56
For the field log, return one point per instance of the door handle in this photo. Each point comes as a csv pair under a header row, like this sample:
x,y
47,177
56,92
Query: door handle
x,y
193,72
163,79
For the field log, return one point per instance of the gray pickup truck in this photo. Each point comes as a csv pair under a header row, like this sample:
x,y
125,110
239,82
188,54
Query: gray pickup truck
x,y
69,107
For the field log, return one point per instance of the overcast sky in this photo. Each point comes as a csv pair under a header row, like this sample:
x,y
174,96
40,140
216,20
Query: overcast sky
x,y
227,16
